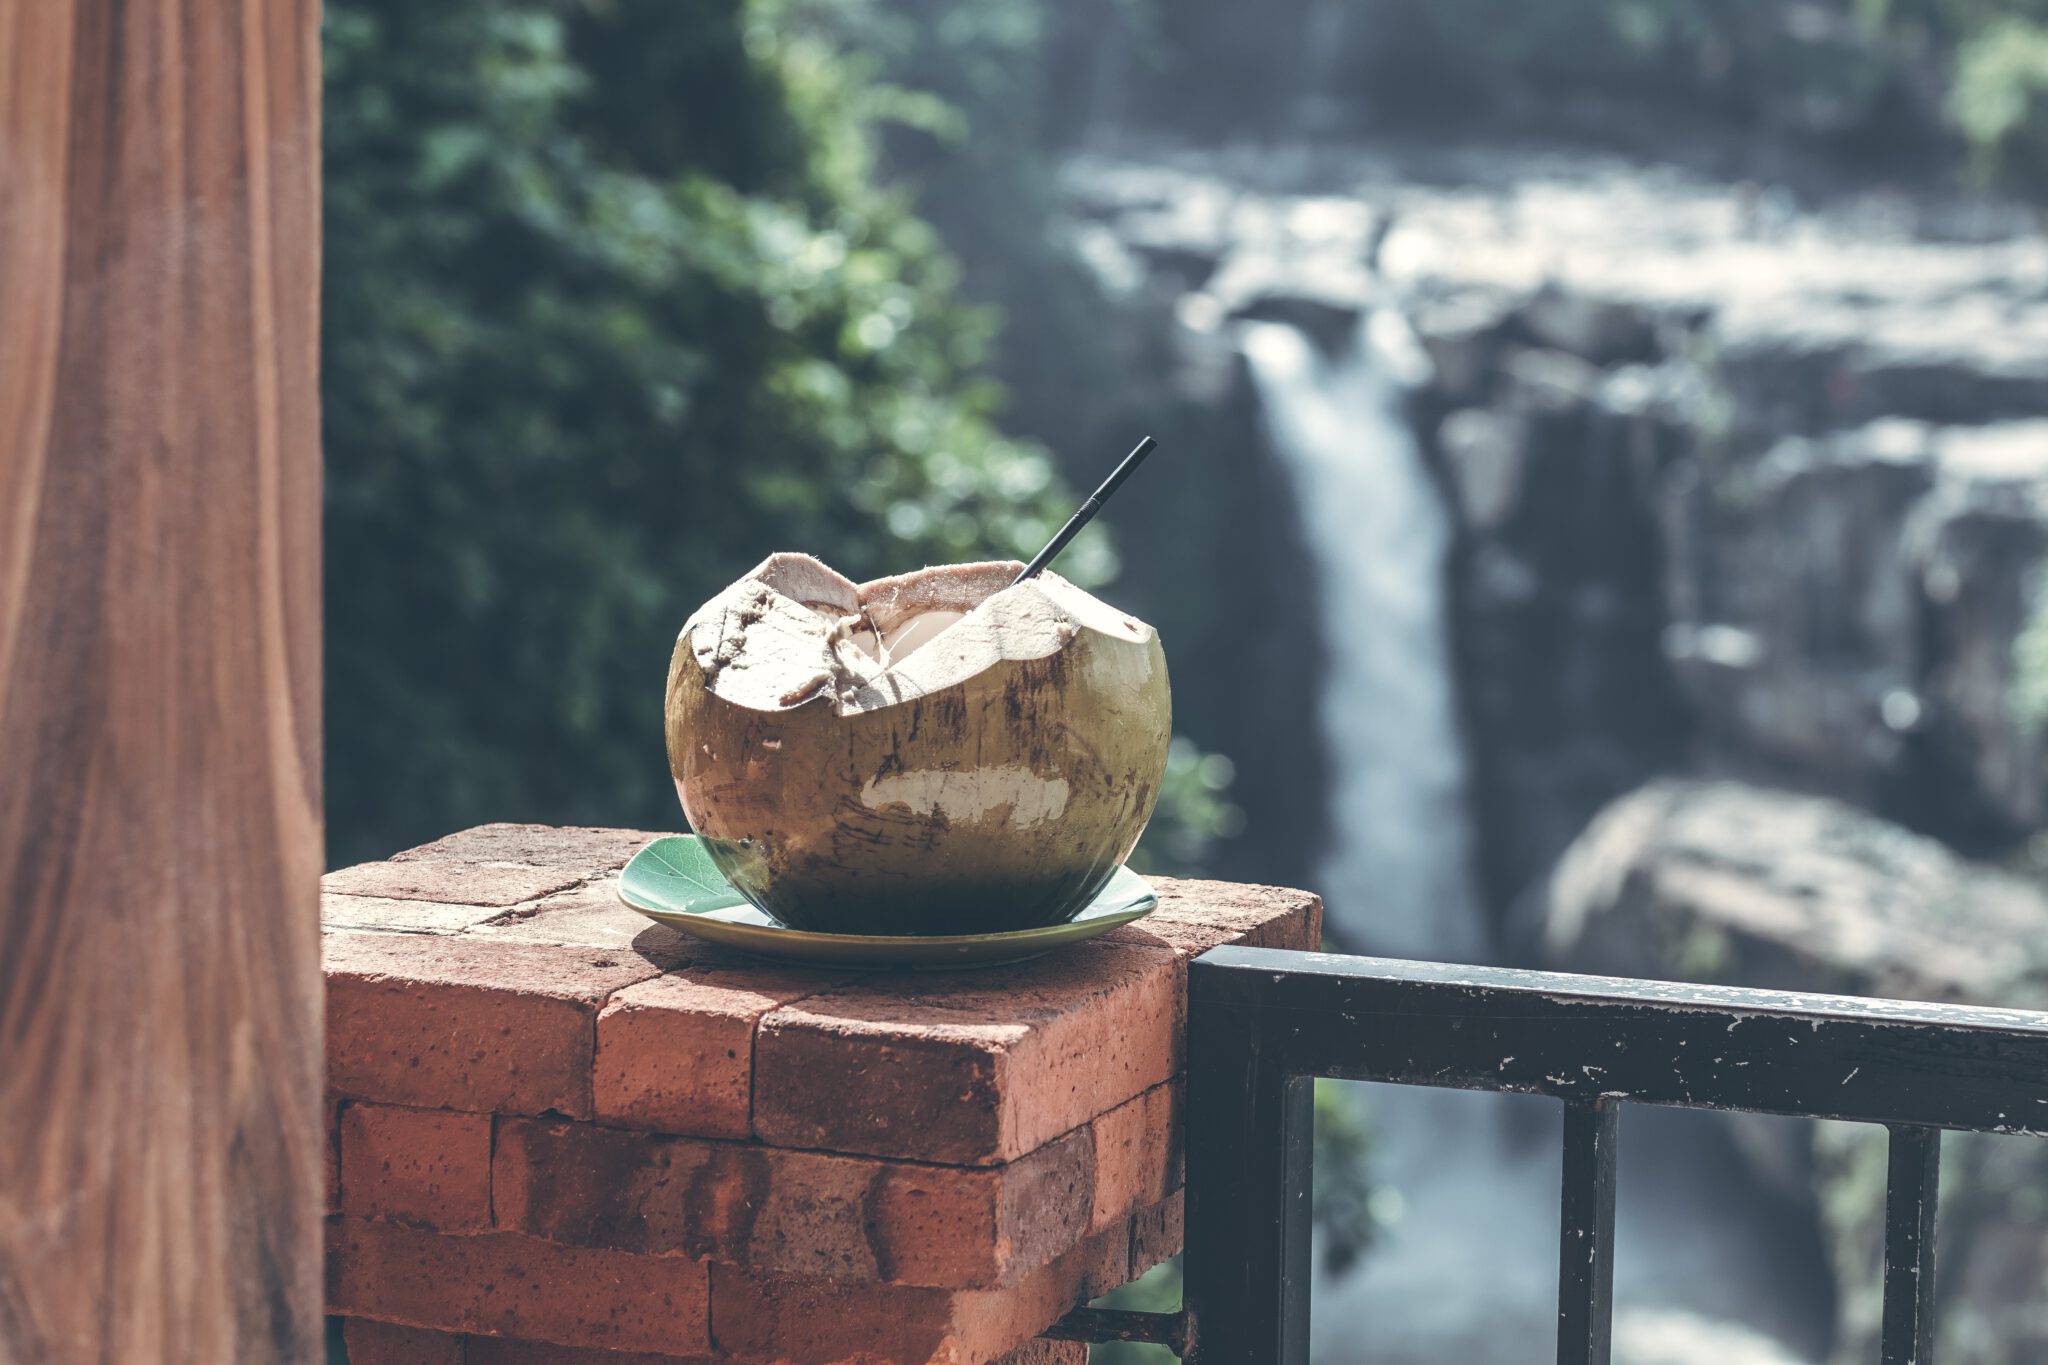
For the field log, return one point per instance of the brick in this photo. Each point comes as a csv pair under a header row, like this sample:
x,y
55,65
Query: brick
x,y
824,1322
582,1185
449,882
408,916
804,1214
490,866
505,1351
1195,916
1040,1213
384,1343
677,1053
1137,1154
945,1164
503,1284
585,850
431,1167
1046,1353
1158,1233
449,1023
969,1068
331,1156
589,916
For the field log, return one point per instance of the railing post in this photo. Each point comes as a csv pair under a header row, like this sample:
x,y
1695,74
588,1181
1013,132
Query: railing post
x,y
1263,1019
160,838
1585,1262
1912,1184
1249,1126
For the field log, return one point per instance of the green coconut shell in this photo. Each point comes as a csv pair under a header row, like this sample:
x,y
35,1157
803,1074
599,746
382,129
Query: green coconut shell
x,y
993,779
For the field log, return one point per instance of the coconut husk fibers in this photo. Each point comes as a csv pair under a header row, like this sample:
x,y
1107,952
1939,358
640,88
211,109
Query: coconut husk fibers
x,y
933,753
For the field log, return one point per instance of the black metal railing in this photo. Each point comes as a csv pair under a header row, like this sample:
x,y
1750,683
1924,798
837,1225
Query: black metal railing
x,y
1264,1023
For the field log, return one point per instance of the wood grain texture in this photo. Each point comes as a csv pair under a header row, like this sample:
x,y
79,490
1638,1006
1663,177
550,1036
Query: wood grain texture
x,y
160,843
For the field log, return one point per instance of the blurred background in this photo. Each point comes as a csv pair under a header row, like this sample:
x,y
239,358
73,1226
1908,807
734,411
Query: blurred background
x,y
1602,494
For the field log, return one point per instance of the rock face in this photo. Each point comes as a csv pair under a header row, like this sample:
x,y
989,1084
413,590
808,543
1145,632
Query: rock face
x,y
1844,611
1738,484
1719,881
1724,498
1556,619
1741,486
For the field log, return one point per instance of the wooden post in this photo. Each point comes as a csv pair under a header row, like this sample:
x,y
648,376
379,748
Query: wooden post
x,y
160,840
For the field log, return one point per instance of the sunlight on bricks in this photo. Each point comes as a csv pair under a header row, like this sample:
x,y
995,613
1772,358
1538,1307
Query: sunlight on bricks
x,y
560,1133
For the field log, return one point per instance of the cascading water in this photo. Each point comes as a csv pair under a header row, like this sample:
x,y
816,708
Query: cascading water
x,y
1470,1273
1398,879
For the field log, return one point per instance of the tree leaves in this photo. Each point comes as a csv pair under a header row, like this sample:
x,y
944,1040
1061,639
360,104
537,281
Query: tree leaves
x,y
615,304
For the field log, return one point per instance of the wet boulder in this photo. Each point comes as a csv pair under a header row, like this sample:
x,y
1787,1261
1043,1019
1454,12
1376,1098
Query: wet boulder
x,y
1719,881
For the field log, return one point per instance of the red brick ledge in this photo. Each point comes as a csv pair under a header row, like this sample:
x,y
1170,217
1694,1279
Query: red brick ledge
x,y
559,1128
380,1343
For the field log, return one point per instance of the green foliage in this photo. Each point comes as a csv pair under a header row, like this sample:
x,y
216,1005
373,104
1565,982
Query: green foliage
x,y
1995,56
2028,703
1158,1290
1944,24
1348,1207
1195,811
1579,33
1002,92
1999,100
1806,68
1349,1211
615,304
2029,700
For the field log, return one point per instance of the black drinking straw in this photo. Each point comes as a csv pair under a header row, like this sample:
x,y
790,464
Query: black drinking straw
x,y
1088,509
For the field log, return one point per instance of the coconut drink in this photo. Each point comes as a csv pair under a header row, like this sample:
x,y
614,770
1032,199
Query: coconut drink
x,y
957,750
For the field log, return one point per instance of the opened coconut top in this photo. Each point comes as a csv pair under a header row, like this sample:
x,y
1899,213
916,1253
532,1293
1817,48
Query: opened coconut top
x,y
794,630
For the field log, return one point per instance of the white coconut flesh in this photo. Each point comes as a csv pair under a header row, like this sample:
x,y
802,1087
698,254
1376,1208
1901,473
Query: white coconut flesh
x,y
794,630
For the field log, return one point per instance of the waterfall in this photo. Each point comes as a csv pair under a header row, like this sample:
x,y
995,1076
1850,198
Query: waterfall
x,y
1469,1273
1398,879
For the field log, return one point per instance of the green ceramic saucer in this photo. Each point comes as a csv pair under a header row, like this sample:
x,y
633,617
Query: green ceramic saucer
x,y
673,881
